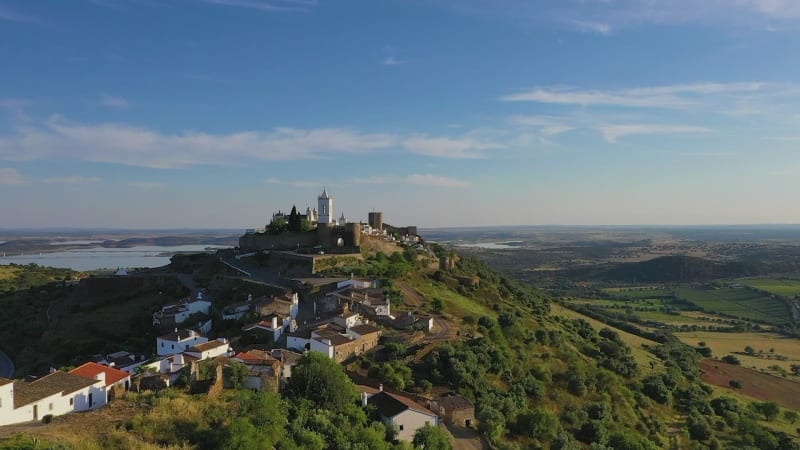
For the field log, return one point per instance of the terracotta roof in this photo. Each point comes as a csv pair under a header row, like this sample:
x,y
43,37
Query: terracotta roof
x,y
256,357
5,381
210,345
365,329
91,370
55,383
390,405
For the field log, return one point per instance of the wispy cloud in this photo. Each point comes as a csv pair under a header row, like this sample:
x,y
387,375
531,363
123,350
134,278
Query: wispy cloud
x,y
298,183
429,180
669,96
116,143
11,176
612,133
9,15
392,61
268,6
145,185
453,148
592,27
793,171
137,146
114,101
547,125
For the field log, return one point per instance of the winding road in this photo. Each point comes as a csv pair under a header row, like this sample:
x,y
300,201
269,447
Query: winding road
x,y
6,366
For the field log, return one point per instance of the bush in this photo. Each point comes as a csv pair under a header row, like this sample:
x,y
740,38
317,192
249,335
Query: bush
x,y
47,418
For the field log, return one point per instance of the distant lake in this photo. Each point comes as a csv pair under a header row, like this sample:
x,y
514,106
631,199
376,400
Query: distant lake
x,y
505,245
106,258
74,242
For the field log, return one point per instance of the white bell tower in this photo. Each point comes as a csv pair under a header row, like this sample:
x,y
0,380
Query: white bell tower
x,y
325,207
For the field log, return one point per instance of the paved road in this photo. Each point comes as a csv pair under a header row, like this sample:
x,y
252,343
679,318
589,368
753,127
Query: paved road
x,y
6,366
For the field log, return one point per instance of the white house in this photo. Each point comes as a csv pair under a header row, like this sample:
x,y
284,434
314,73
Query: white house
x,y
238,311
210,349
171,365
178,341
55,394
6,401
273,325
112,377
401,413
179,313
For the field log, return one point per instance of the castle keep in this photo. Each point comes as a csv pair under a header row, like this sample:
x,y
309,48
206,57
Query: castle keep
x,y
314,232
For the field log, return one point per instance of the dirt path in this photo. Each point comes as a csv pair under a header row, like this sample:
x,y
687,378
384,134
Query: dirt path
x,y
411,296
466,439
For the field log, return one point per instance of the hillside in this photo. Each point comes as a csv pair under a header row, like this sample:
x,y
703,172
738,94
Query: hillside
x,y
539,377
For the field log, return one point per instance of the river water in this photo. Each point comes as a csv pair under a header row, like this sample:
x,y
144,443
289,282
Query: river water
x,y
106,258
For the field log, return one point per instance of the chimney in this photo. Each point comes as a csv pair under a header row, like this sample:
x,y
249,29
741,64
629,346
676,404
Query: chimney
x,y
380,387
101,376
364,398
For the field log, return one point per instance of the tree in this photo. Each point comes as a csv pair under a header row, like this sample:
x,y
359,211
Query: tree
x,y
237,374
770,410
736,384
731,359
539,424
322,381
431,438
749,350
790,416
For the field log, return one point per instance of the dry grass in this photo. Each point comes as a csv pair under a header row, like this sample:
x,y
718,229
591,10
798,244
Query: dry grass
x,y
8,272
642,356
722,344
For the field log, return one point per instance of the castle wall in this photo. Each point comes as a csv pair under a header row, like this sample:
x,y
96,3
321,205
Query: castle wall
x,y
284,241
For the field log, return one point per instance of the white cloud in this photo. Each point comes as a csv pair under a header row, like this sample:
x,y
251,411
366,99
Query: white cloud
x,y
444,147
612,133
592,27
392,61
268,6
136,146
10,176
145,147
547,125
113,101
416,180
728,98
145,185
10,15
298,183
72,179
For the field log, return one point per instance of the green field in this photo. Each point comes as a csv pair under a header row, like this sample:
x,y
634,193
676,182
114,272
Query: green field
x,y
784,287
640,292
742,303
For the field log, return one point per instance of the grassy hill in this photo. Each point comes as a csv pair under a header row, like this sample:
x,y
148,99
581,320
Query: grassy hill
x,y
540,376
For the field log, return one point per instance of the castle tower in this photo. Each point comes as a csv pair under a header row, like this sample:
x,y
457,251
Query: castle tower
x,y
325,208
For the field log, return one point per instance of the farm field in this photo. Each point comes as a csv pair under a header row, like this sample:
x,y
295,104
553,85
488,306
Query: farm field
x,y
722,344
784,287
642,356
741,303
755,384
640,292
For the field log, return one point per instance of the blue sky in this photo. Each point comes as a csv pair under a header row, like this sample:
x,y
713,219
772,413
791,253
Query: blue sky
x,y
214,113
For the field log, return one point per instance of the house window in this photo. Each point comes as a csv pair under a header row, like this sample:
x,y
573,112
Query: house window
x,y
1,402
401,428
71,401
50,407
162,345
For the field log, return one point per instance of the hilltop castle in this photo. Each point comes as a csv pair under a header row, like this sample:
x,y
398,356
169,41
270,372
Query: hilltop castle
x,y
312,232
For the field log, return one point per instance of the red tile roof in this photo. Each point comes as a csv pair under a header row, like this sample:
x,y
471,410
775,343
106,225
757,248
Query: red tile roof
x,y
90,370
